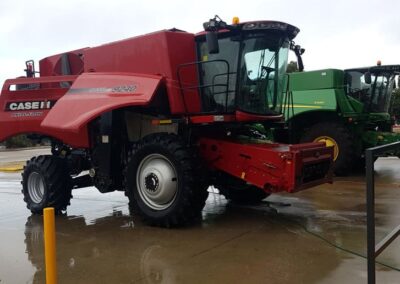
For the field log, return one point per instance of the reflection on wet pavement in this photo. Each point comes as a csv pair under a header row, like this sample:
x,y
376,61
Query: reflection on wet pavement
x,y
292,238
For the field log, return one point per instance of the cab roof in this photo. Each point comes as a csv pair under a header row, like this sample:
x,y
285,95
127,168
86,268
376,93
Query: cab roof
x,y
253,26
377,69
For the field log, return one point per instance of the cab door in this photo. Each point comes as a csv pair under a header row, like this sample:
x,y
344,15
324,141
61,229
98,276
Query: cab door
x,y
218,75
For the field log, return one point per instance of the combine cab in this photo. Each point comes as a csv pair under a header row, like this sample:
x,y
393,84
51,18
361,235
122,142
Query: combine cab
x,y
162,117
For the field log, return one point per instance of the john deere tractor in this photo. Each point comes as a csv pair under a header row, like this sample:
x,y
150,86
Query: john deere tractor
x,y
346,109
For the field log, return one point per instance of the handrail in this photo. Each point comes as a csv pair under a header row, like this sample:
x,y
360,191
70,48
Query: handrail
x,y
373,249
198,86
216,85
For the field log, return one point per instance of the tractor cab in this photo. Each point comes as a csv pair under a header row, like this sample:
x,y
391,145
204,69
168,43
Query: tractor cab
x,y
242,67
372,86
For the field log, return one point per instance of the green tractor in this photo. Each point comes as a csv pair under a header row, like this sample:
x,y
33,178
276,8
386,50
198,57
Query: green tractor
x,y
346,109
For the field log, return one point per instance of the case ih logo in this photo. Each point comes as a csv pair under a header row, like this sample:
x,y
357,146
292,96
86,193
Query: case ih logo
x,y
31,105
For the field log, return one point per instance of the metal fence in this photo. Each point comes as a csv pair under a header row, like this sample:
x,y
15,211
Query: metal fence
x,y
373,249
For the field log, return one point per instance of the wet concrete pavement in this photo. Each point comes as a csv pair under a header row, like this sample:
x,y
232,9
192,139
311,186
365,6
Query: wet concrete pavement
x,y
314,240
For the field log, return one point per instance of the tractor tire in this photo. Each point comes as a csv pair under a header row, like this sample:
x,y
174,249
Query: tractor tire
x,y
343,140
239,191
163,181
46,183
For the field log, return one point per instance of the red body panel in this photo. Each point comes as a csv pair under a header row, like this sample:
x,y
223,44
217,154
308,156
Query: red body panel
x,y
273,167
157,53
71,109
111,65
95,93
50,66
238,116
19,121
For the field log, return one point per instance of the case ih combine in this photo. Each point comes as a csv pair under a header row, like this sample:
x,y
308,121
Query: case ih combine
x,y
162,116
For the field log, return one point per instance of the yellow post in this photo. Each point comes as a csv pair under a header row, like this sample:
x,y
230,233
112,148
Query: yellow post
x,y
50,245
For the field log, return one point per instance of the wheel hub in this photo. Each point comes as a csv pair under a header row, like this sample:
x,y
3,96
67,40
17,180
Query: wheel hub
x,y
156,181
330,142
151,182
36,187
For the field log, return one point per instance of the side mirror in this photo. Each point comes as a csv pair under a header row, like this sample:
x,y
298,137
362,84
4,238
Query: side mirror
x,y
212,42
298,51
367,77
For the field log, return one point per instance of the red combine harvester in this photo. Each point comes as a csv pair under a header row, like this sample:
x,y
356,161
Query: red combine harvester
x,y
162,116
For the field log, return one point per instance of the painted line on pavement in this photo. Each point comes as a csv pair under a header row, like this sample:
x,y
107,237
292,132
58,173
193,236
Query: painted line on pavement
x,y
12,167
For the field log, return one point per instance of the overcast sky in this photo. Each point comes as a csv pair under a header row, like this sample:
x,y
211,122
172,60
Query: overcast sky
x,y
336,34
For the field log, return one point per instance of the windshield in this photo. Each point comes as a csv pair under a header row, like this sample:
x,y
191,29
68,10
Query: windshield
x,y
247,74
375,96
263,67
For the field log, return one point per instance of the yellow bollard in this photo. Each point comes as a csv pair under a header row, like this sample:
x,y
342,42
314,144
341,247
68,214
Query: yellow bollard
x,y
50,245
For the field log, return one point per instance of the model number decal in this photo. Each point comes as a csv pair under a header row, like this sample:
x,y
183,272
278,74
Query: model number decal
x,y
124,89
29,105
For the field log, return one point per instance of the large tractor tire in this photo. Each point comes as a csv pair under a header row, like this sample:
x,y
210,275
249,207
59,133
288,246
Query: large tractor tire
x,y
164,183
46,183
336,135
239,191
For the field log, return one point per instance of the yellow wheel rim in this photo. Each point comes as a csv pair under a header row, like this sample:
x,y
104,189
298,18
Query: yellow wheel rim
x,y
330,142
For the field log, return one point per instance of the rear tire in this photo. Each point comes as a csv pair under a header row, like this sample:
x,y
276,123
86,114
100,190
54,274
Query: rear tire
x,y
164,182
46,183
339,133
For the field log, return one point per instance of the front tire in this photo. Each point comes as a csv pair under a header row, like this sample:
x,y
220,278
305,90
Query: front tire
x,y
46,183
164,182
336,135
